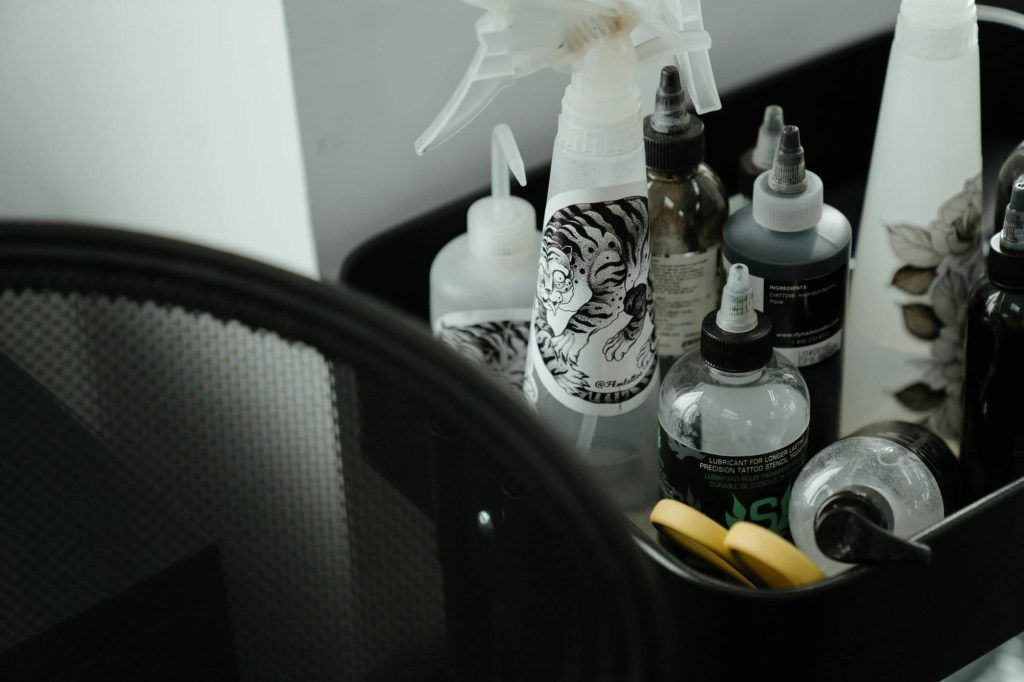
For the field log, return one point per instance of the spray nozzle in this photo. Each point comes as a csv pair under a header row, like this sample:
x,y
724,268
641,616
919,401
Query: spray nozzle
x,y
505,157
520,37
1012,238
789,172
502,225
737,313
670,111
768,136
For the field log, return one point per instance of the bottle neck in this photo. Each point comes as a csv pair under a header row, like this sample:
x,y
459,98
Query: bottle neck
x,y
735,378
601,107
937,30
667,176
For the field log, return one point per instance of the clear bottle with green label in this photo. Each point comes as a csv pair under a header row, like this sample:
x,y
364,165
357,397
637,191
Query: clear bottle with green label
x,y
734,416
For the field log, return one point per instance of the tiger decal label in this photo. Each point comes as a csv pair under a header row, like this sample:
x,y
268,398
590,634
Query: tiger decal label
x,y
593,344
495,339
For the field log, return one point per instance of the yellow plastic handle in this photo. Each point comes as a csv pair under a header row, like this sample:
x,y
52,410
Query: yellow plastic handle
x,y
699,535
775,561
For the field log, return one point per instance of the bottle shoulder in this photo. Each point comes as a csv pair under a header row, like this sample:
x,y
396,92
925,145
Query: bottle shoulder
x,y
687,212
701,411
989,303
461,281
812,252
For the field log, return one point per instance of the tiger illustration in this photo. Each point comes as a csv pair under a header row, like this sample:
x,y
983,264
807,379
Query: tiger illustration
x,y
595,267
499,345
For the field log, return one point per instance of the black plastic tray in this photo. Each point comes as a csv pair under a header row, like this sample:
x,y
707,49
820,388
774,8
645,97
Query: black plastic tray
x,y
892,622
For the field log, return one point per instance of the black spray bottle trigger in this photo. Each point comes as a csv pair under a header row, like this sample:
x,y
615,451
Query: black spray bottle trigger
x,y
854,526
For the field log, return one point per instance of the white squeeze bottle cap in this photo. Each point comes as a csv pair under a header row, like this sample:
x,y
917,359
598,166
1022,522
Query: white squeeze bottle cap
x,y
518,38
502,225
768,137
737,313
788,198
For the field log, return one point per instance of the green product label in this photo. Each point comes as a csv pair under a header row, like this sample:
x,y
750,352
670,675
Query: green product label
x,y
753,488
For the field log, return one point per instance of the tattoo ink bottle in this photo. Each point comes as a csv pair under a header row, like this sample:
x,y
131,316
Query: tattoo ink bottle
x,y
798,250
758,158
591,368
734,417
687,211
919,246
992,449
858,500
482,282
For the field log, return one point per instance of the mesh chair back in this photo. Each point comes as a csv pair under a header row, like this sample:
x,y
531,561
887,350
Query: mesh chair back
x,y
382,510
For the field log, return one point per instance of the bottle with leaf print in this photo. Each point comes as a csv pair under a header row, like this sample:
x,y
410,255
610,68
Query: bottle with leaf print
x,y
734,417
919,248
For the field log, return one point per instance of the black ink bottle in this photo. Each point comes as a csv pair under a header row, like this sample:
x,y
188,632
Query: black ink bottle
x,y
992,449
798,250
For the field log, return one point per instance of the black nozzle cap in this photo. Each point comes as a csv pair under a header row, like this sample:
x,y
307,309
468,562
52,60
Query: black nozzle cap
x,y
1017,196
790,140
736,352
670,82
673,136
1005,267
854,527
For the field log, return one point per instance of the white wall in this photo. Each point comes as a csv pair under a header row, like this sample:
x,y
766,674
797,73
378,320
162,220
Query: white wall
x,y
371,74
172,116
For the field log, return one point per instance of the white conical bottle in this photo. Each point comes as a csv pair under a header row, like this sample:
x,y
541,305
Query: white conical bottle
x,y
919,247
483,282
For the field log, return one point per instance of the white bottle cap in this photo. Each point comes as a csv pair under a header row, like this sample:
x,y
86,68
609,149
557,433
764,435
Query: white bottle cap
x,y
502,226
737,313
788,198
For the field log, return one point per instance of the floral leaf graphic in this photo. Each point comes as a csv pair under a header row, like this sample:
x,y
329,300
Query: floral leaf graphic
x,y
962,211
921,321
950,297
914,280
913,245
920,397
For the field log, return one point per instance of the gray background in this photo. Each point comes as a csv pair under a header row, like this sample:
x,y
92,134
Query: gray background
x,y
370,75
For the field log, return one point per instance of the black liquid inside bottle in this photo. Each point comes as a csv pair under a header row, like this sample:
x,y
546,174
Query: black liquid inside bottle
x,y
992,449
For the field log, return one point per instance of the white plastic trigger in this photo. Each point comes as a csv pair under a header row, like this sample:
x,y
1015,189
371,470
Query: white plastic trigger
x,y
694,63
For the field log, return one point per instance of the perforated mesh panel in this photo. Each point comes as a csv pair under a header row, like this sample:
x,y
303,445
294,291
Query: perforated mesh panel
x,y
246,431
112,529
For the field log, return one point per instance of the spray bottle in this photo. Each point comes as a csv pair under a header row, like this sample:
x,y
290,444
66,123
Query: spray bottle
x,y
919,248
482,282
592,364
